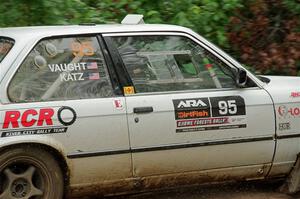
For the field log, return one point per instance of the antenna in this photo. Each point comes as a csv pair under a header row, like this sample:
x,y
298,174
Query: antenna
x,y
133,19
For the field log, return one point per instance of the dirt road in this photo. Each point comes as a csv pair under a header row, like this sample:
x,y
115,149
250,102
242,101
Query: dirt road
x,y
251,190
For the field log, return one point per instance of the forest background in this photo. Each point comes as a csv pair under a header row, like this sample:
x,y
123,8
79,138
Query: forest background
x,y
264,35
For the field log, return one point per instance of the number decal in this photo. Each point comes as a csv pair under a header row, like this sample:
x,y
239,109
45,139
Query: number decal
x,y
209,107
227,106
223,109
232,107
209,113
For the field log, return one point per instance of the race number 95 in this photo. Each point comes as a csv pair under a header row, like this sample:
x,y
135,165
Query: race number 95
x,y
227,106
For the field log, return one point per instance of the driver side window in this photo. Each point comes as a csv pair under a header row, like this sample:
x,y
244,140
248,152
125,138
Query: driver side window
x,y
171,63
61,69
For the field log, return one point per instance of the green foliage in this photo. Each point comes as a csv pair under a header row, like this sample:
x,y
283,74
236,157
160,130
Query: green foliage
x,y
210,18
43,12
293,6
266,35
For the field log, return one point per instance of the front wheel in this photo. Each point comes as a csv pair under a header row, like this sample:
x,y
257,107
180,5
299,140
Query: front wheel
x,y
30,173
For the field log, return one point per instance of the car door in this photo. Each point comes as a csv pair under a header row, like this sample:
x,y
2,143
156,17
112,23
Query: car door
x,y
185,112
65,93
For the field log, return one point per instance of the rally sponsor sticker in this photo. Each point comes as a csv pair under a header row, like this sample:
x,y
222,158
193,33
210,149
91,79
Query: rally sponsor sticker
x,y
191,108
213,113
37,121
295,94
128,90
288,111
284,126
118,104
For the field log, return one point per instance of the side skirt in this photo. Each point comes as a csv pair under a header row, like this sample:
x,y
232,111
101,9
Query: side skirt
x,y
159,182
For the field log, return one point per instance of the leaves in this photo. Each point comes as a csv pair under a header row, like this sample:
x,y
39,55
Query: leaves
x,y
268,41
261,33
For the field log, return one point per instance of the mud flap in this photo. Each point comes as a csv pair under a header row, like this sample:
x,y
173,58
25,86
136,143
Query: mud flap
x,y
292,182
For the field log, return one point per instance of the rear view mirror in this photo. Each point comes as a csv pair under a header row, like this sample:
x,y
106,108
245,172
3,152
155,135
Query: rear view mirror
x,y
241,77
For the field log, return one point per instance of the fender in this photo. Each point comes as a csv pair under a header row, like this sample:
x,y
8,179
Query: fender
x,y
37,139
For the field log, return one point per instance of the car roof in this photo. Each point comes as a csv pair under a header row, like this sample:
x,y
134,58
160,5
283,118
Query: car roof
x,y
26,36
45,31
29,35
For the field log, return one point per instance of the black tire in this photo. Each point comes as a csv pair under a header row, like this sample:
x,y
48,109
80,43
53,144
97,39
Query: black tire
x,y
30,173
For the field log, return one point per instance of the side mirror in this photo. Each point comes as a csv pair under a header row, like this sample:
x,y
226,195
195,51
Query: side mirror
x,y
241,77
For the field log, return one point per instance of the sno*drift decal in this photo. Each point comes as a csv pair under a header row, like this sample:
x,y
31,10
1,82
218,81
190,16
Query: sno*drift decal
x,y
37,121
214,113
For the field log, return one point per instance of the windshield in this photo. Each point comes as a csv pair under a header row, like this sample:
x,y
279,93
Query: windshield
x,y
5,45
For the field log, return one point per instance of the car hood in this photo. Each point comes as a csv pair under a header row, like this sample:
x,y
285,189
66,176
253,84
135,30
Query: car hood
x,y
283,89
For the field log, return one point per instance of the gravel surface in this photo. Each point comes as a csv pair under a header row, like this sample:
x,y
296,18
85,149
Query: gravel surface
x,y
253,190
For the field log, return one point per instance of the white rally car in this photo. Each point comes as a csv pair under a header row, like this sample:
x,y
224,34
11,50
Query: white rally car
x,y
105,109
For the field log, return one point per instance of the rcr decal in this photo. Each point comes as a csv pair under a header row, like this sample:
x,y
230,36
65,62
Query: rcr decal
x,y
29,118
34,131
226,112
34,121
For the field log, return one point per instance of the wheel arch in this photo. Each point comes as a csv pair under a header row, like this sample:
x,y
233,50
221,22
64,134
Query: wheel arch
x,y
53,148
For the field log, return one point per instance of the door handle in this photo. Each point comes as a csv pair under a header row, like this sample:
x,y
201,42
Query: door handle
x,y
147,109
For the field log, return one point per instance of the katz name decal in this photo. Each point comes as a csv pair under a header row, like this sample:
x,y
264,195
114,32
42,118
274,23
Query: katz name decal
x,y
37,121
214,113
